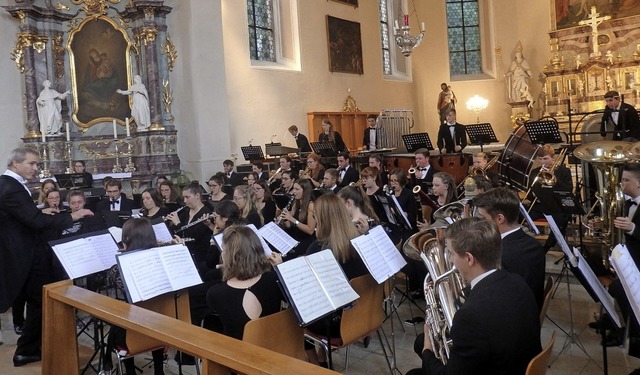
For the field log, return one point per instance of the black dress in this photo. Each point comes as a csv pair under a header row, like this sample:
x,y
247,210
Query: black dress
x,y
200,233
268,211
163,211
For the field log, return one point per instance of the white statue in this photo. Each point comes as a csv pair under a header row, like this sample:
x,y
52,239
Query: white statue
x,y
140,107
609,57
49,109
519,74
578,61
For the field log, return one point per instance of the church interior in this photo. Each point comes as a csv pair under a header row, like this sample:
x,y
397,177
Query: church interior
x,y
214,87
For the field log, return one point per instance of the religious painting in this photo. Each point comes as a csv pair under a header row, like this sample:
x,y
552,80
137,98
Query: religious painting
x,y
354,3
345,46
567,13
556,88
596,81
99,59
629,78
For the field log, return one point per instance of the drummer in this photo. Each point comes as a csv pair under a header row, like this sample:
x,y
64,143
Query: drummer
x,y
452,136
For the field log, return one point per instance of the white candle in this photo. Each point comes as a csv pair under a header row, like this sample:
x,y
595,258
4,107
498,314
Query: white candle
x,y
126,125
395,23
405,9
422,26
115,130
66,124
43,136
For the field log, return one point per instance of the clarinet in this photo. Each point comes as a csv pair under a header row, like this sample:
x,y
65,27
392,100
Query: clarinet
x,y
287,207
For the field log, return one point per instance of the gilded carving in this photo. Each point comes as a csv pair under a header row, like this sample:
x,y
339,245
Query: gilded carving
x,y
25,40
148,13
58,51
95,7
170,50
60,6
167,97
148,35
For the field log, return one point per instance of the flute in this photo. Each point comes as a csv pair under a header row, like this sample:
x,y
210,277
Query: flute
x,y
165,218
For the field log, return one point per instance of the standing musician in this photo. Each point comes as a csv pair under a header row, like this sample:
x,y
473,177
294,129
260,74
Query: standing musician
x,y
117,201
480,161
347,174
624,117
301,140
153,205
424,170
497,329
263,201
171,196
371,139
329,135
299,222
452,136
564,182
521,253
258,167
330,180
359,207
406,199
195,210
314,171
375,160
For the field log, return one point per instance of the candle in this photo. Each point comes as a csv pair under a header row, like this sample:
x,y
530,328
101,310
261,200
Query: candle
x,y
43,136
115,130
66,124
405,8
422,26
126,124
395,23
569,86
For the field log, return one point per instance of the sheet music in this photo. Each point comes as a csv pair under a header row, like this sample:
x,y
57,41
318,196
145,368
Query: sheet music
x,y
532,225
162,232
629,275
148,278
85,256
379,254
604,296
116,233
304,289
265,246
105,248
560,238
276,236
178,264
332,278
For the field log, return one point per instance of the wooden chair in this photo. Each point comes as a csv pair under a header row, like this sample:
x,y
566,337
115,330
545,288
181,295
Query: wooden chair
x,y
362,319
548,287
539,364
279,332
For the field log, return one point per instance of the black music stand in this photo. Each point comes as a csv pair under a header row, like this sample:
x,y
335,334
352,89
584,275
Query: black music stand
x,y
416,141
481,134
543,131
325,148
71,180
252,153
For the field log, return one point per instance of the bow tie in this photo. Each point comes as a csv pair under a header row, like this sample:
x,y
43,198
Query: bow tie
x,y
423,169
116,201
451,125
632,203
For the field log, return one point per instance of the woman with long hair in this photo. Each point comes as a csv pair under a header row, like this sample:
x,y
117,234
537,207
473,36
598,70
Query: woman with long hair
x,y
263,201
243,197
299,221
406,199
249,289
170,195
45,186
153,205
443,191
330,135
369,180
359,207
314,171
251,179
216,183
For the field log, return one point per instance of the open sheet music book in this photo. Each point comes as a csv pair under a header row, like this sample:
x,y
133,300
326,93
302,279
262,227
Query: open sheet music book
x,y
315,285
86,254
218,240
629,275
162,232
151,272
379,254
277,237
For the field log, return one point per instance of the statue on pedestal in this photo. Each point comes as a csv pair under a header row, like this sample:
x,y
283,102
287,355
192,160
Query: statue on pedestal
x,y
519,74
49,109
140,107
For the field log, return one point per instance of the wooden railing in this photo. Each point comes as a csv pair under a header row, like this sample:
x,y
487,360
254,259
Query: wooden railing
x,y
219,353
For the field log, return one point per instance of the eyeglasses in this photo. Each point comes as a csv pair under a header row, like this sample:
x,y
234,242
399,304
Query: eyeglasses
x,y
237,198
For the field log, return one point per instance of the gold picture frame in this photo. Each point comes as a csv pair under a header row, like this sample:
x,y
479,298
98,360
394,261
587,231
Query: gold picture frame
x,y
99,58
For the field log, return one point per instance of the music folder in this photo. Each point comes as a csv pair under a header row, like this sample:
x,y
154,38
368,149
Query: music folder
x,y
315,285
629,275
86,254
379,254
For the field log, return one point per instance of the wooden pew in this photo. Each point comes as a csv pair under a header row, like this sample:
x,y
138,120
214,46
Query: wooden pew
x,y
218,352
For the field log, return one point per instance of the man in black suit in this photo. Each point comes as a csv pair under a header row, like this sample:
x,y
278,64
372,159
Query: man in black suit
x,y
330,180
424,170
452,136
117,201
370,140
234,178
521,253
258,168
347,174
497,329
26,265
623,116
301,140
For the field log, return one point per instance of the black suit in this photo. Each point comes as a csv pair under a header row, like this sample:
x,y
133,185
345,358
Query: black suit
x,y
496,331
367,137
350,175
105,204
628,123
235,179
446,141
263,176
302,143
427,180
523,255
25,264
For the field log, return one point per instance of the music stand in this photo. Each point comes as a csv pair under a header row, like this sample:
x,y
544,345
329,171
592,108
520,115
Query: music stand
x,y
415,141
71,180
543,131
252,153
481,134
325,148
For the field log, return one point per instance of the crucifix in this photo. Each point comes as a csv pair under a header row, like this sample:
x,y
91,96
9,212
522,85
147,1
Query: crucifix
x,y
594,21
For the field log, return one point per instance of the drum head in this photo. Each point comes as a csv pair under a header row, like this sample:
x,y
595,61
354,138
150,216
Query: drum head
x,y
517,159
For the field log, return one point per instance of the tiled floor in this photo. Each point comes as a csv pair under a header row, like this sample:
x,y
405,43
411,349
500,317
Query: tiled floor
x,y
567,358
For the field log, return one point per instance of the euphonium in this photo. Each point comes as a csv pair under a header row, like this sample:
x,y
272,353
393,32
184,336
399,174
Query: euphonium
x,y
272,178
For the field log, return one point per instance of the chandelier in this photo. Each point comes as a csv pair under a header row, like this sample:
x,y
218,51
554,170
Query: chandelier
x,y
477,104
405,41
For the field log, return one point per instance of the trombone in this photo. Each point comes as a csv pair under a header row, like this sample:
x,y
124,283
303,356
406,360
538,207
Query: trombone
x,y
272,178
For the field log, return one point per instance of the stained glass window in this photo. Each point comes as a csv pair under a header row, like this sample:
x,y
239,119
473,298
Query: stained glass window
x,y
261,31
464,37
384,32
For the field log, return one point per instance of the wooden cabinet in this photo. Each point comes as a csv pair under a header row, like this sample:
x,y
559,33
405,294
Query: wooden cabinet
x,y
350,125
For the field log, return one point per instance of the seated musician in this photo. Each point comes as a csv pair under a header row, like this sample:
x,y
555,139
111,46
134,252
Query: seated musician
x,y
452,136
375,160
45,186
263,201
258,167
301,140
359,208
232,176
347,173
370,141
314,171
330,180
79,166
216,195
136,234
368,179
117,200
299,222
329,135
153,205
547,157
521,253
249,289
243,198
444,192
251,178
474,185
480,161
406,199
286,165
497,329
286,183
52,199
171,196
77,201
424,170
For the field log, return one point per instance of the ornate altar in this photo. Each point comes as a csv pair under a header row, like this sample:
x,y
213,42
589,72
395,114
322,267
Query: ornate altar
x,y
92,48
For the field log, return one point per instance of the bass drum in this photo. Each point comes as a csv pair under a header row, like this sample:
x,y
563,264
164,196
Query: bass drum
x,y
516,161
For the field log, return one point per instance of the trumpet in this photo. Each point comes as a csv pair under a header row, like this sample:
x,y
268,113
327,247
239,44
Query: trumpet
x,y
321,187
305,172
272,178
356,184
166,217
